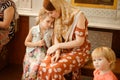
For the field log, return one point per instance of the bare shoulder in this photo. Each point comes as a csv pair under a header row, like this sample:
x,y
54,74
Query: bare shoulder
x,y
10,10
81,20
81,15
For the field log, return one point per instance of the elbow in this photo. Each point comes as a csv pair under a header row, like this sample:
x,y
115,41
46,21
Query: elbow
x,y
5,26
80,42
25,43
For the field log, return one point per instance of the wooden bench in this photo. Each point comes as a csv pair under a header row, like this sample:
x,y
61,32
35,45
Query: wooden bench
x,y
88,69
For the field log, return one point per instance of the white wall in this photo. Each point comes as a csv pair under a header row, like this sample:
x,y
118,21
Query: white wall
x,y
37,5
111,15
30,9
33,5
101,12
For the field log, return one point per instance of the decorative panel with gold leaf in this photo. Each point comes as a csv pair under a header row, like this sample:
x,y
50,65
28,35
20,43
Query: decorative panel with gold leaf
x,y
108,4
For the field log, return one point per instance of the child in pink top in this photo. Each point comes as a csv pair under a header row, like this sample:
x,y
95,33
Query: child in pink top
x,y
103,61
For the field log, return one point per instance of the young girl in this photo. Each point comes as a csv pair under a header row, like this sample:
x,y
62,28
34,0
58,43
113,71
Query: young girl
x,y
103,61
36,44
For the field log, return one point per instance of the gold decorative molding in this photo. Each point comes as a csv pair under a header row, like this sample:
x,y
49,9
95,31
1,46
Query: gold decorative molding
x,y
107,4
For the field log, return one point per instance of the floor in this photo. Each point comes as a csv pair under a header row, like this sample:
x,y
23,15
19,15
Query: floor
x,y
86,78
11,72
14,72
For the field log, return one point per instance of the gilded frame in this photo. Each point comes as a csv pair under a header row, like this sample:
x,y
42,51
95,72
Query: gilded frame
x,y
110,4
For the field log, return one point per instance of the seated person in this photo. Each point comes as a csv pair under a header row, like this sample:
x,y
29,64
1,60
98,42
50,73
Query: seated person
x,y
70,49
8,14
104,61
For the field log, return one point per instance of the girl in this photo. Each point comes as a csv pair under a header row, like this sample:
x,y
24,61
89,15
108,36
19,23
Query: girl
x,y
103,60
37,43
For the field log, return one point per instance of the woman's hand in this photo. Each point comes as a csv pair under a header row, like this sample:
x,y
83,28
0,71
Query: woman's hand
x,y
52,49
55,57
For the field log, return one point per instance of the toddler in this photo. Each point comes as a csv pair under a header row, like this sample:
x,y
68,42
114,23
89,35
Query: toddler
x,y
103,60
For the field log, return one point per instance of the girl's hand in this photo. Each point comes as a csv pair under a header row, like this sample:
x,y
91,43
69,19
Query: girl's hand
x,y
40,43
52,49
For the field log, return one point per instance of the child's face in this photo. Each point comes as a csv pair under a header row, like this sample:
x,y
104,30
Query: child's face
x,y
47,22
101,63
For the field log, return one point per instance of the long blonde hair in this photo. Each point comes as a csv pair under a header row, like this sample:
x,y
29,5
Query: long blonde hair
x,y
106,52
64,22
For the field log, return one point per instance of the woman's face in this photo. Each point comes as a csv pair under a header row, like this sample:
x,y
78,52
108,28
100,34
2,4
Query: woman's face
x,y
54,14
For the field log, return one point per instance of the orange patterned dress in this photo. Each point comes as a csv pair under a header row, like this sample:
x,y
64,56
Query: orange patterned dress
x,y
71,60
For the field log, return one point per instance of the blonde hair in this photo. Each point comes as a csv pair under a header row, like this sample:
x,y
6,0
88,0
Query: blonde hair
x,y
106,52
42,15
66,18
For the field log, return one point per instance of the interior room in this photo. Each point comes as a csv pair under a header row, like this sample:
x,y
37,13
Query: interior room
x,y
104,30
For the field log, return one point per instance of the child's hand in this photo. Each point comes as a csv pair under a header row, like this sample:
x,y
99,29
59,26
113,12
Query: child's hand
x,y
41,43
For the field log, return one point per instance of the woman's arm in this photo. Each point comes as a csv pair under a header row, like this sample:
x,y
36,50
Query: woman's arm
x,y
71,44
66,45
79,40
7,17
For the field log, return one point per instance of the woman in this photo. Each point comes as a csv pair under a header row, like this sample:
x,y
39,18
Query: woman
x,y
7,17
71,48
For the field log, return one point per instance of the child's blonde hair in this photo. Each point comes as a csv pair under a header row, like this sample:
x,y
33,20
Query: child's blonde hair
x,y
106,52
42,15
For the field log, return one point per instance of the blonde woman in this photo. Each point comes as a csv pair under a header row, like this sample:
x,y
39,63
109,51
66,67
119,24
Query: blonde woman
x,y
103,60
70,50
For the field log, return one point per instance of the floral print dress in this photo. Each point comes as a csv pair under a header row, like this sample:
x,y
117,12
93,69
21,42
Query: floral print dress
x,y
34,55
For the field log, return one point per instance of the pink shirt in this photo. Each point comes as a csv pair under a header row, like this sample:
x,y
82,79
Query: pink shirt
x,y
107,76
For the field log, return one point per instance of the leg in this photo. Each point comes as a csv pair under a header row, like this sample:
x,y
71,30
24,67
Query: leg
x,y
67,63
